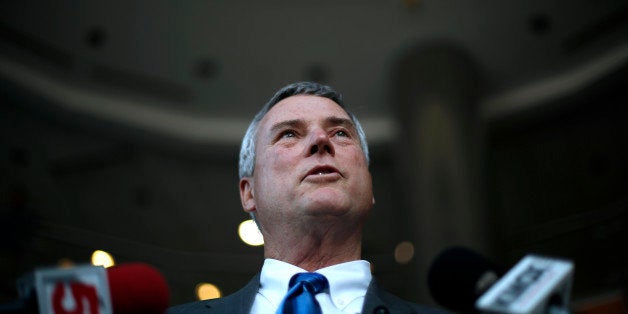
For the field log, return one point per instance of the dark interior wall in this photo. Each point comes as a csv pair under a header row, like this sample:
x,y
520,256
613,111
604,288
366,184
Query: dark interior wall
x,y
549,180
557,183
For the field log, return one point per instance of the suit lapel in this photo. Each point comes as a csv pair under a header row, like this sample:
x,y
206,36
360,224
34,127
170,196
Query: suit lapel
x,y
378,301
237,303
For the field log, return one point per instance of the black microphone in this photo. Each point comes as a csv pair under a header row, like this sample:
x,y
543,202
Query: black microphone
x,y
465,281
459,276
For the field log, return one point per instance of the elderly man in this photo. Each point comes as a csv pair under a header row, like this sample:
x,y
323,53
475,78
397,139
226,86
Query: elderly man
x,y
304,178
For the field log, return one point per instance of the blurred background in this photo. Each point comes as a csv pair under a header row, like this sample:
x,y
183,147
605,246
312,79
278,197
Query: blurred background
x,y
496,125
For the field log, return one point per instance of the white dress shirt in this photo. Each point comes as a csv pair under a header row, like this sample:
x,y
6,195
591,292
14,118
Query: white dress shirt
x,y
348,283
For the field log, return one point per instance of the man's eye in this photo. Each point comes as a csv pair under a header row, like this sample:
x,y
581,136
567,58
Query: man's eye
x,y
342,133
288,133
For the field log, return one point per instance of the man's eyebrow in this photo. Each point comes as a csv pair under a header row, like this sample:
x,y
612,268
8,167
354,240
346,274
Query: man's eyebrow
x,y
340,121
295,123
284,124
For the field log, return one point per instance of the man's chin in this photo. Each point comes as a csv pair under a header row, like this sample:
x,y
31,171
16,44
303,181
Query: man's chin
x,y
330,201
328,207
327,211
325,197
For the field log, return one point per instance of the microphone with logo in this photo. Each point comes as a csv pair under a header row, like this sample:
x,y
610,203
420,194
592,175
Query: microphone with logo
x,y
122,289
464,281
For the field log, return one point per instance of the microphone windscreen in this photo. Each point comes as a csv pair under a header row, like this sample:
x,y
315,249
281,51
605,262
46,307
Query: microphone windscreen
x,y
137,288
458,277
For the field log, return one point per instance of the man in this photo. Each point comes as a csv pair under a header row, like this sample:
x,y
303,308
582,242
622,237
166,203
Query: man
x,y
304,178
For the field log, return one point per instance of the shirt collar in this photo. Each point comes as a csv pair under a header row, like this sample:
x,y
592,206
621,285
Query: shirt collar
x,y
347,281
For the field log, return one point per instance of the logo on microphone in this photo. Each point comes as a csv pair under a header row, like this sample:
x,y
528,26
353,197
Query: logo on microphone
x,y
76,290
521,284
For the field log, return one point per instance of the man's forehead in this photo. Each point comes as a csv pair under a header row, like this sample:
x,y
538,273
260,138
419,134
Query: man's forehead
x,y
303,107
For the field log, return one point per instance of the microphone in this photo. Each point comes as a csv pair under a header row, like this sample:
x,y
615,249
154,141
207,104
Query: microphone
x,y
535,285
459,276
464,281
123,289
137,288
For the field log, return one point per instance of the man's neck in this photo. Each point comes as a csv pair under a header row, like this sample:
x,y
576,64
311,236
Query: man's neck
x,y
312,251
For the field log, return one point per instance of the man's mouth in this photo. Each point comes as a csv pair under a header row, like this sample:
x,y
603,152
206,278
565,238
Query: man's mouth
x,y
321,171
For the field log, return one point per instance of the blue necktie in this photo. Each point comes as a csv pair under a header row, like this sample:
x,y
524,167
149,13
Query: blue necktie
x,y
300,297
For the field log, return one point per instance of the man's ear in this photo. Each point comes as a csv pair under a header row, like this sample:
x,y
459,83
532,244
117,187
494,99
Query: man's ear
x,y
247,194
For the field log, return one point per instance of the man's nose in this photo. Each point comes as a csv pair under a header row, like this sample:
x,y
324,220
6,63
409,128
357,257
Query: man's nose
x,y
320,143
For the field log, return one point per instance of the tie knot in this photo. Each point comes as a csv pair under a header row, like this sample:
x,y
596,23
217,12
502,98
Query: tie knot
x,y
313,282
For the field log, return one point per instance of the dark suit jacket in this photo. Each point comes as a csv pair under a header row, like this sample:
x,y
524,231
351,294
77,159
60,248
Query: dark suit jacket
x,y
377,301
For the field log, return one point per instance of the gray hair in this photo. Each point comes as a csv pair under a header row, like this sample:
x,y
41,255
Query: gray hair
x,y
247,150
